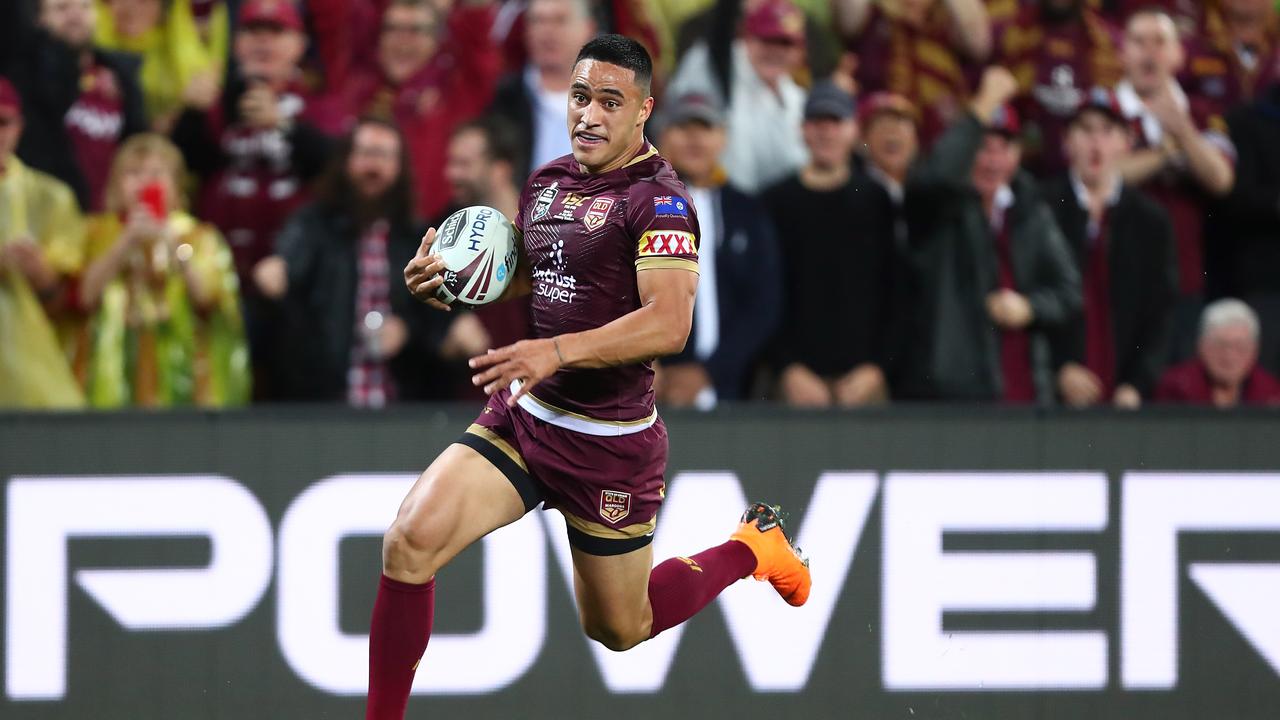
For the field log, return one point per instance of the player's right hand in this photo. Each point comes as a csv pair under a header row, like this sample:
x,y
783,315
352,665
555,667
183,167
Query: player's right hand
x,y
423,273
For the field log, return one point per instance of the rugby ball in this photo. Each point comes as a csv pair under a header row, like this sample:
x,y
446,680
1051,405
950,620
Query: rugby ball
x,y
478,245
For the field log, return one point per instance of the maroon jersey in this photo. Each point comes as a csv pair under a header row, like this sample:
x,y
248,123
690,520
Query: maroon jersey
x,y
95,126
585,238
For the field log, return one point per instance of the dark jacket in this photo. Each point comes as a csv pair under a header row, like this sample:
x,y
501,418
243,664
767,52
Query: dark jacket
x,y
957,348
512,102
46,73
319,245
1144,282
1246,231
749,301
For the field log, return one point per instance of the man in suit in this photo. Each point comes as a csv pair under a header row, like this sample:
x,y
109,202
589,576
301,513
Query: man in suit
x,y
738,307
1124,246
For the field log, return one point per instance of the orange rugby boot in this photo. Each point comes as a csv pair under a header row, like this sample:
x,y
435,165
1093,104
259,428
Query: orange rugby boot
x,y
778,560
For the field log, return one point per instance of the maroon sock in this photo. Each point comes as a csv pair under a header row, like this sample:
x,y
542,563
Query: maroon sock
x,y
398,636
680,587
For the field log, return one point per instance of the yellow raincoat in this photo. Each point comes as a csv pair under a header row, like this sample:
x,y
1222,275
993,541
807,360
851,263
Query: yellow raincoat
x,y
35,369
150,346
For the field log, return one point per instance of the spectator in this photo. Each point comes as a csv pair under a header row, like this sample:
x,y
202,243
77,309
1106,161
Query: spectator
x,y
997,275
81,101
765,106
1225,372
434,72
353,331
536,100
1183,155
1124,246
165,327
1058,50
834,229
178,59
918,48
41,245
1248,221
890,126
1191,16
481,166
738,306
1237,56
258,147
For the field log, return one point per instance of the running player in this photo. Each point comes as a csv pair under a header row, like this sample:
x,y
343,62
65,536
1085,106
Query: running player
x,y
610,257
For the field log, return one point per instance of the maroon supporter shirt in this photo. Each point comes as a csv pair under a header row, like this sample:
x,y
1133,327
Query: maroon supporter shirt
x,y
585,237
1015,345
1189,384
95,124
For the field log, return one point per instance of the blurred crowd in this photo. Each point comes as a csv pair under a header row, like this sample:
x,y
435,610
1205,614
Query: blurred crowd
x,y
1077,202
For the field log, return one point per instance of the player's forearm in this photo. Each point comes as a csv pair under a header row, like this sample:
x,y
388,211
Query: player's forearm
x,y
638,336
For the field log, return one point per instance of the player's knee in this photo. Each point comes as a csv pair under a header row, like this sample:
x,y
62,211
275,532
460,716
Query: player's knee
x,y
411,548
614,635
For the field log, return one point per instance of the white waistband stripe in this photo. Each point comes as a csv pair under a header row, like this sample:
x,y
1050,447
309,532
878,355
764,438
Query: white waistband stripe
x,y
579,423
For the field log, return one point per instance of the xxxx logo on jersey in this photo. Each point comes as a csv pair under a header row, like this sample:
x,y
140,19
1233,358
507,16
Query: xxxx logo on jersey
x,y
667,242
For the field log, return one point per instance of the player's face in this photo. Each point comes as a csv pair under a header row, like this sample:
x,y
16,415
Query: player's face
x,y
1152,51
10,131
693,149
891,143
830,141
467,169
71,21
268,52
1229,353
374,163
607,112
995,164
135,17
407,42
1094,145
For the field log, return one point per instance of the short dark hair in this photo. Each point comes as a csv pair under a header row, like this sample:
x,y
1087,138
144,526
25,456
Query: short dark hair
x,y
622,51
500,141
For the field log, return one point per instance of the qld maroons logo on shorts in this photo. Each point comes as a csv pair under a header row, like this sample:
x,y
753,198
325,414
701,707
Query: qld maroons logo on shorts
x,y
614,505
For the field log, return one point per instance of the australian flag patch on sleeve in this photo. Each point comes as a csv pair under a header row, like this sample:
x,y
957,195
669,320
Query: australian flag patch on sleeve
x,y
670,206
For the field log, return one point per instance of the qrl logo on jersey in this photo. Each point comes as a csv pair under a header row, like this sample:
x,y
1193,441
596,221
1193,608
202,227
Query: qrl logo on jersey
x,y
614,505
597,213
667,242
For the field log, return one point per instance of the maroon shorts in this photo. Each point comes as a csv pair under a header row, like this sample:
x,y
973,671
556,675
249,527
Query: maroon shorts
x,y
608,488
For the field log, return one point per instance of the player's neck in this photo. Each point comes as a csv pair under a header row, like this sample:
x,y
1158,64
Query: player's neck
x,y
633,149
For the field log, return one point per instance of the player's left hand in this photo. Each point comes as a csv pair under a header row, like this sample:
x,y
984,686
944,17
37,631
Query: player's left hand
x,y
529,361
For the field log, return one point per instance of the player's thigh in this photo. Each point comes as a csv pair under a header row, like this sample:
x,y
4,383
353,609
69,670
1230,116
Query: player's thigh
x,y
459,499
613,594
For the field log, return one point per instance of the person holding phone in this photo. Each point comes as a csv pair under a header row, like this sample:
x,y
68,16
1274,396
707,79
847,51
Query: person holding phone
x,y
162,294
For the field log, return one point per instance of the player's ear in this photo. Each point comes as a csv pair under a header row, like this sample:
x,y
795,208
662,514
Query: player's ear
x,y
646,109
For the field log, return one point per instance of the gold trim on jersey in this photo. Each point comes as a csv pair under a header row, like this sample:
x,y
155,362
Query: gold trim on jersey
x,y
642,156
495,440
595,529
666,263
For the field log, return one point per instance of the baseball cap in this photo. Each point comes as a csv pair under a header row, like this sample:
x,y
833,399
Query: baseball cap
x,y
776,20
693,106
1006,122
886,102
280,13
1103,100
10,103
828,100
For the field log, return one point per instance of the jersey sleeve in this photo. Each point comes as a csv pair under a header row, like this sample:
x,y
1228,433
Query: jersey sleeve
x,y
665,227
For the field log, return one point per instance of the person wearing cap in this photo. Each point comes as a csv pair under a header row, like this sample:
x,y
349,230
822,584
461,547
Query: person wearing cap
x,y
178,58
1057,49
738,307
1122,241
922,49
836,236
256,144
41,249
435,70
889,125
1183,157
81,101
995,273
763,104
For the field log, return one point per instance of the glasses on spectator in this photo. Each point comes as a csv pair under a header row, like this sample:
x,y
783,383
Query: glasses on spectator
x,y
373,153
409,28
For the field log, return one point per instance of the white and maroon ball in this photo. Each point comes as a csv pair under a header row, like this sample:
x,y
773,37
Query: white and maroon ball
x,y
478,245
